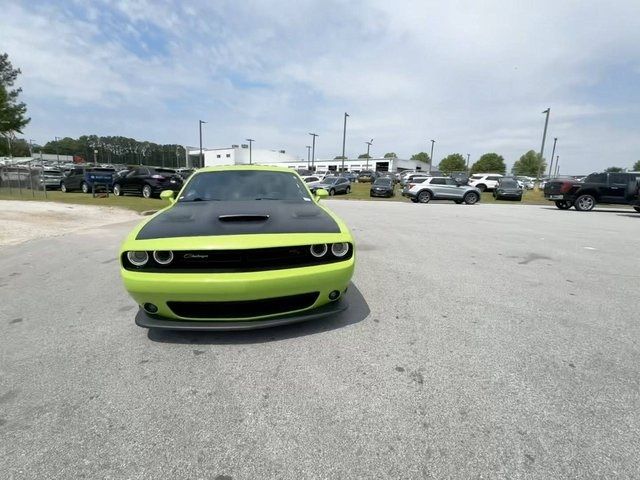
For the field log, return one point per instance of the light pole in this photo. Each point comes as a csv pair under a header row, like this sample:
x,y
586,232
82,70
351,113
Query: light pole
x,y
308,156
368,146
201,161
544,137
468,155
344,137
555,140
250,140
431,158
313,151
57,151
95,157
557,165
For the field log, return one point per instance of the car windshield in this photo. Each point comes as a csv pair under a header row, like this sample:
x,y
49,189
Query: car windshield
x,y
382,181
238,185
508,183
330,180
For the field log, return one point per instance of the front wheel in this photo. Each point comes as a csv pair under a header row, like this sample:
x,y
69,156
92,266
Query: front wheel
x,y
146,191
563,204
348,191
117,190
471,198
332,192
84,187
63,188
481,187
424,196
585,203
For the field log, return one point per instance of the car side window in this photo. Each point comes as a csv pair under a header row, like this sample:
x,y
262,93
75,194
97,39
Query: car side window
x,y
493,178
451,181
596,178
619,178
132,172
438,181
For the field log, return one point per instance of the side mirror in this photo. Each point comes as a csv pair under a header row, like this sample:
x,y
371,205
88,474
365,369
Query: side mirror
x,y
320,193
168,195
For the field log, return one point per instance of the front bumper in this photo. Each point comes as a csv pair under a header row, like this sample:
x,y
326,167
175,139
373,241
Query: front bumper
x,y
162,288
145,320
509,194
383,193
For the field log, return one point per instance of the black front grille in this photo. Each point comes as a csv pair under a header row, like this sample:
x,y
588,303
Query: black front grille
x,y
249,260
243,309
552,188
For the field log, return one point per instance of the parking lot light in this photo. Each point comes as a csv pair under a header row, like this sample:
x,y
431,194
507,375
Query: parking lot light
x,y
431,159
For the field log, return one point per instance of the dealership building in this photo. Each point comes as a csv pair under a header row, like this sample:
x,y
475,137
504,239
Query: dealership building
x,y
242,154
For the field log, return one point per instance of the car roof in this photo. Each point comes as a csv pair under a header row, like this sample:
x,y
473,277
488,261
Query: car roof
x,y
258,168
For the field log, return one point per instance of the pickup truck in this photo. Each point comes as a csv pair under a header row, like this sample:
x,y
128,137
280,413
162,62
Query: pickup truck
x,y
614,188
84,179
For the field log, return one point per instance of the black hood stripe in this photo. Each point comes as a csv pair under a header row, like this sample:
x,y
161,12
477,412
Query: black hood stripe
x,y
198,219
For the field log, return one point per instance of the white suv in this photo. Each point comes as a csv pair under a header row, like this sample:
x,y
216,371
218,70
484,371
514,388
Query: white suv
x,y
484,181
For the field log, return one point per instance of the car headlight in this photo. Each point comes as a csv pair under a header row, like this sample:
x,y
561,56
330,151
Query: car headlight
x,y
163,257
319,250
138,258
340,249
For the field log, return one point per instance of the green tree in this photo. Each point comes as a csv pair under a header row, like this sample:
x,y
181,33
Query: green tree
x,y
421,157
12,112
614,170
339,157
489,163
452,163
636,166
364,155
529,165
390,155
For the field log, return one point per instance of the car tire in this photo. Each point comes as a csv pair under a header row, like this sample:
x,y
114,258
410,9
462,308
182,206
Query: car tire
x,y
482,187
63,188
117,189
332,192
471,198
563,204
84,187
348,190
146,191
637,209
424,196
585,203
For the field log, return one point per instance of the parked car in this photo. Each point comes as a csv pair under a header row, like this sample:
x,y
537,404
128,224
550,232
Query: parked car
x,y
367,176
443,188
84,179
614,188
50,178
148,182
485,181
259,253
185,172
333,185
526,182
408,178
382,187
310,179
508,188
352,177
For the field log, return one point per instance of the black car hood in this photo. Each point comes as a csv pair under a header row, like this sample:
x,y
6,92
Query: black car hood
x,y
195,219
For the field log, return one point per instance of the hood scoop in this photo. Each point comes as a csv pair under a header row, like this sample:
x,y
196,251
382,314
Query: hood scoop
x,y
243,217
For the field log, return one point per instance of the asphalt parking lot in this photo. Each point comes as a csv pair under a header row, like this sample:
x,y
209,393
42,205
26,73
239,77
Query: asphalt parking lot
x,y
487,341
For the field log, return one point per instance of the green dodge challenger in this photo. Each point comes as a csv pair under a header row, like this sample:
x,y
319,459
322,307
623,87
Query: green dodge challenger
x,y
241,247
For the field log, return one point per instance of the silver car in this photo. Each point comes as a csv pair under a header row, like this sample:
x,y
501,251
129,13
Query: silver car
x,y
443,188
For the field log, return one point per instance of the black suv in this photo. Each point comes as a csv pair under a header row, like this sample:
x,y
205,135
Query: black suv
x,y
615,188
148,182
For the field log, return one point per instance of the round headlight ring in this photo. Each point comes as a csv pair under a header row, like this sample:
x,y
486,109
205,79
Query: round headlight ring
x,y
138,258
319,250
340,249
163,257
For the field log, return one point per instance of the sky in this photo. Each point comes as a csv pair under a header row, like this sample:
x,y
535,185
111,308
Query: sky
x,y
473,75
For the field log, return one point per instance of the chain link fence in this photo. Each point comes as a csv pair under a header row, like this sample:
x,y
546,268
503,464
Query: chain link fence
x,y
28,181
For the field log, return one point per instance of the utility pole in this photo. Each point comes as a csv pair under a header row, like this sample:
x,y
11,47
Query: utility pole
x,y
201,161
57,152
557,165
308,156
544,137
344,136
468,156
553,151
250,140
368,146
431,159
313,151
